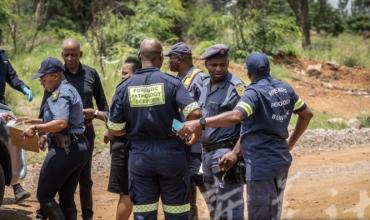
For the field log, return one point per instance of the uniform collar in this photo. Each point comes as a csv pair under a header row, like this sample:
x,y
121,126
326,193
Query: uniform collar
x,y
223,83
268,77
78,71
145,70
187,74
220,85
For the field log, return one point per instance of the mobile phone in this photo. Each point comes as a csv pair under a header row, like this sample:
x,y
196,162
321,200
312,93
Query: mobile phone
x,y
177,125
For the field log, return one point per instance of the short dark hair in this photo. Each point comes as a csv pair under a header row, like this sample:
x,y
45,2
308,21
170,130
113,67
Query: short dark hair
x,y
135,62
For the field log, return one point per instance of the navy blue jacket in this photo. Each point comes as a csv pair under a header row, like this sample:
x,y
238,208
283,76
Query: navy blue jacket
x,y
8,75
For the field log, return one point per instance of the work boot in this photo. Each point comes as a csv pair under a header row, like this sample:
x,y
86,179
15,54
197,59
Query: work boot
x,y
40,215
52,211
19,193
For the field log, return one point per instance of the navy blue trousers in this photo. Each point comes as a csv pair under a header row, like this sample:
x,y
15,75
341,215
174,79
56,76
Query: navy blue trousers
x,y
59,174
159,169
265,197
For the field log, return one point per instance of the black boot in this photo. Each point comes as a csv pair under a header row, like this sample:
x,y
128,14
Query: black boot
x,y
70,214
40,215
52,211
19,193
193,203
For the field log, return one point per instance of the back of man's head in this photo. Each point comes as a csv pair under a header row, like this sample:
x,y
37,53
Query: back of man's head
x,y
257,64
150,53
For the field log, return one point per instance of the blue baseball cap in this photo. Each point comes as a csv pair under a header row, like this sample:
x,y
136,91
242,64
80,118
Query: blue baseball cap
x,y
49,65
217,50
179,48
258,64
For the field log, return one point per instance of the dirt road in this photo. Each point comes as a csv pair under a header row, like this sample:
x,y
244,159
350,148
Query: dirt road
x,y
322,185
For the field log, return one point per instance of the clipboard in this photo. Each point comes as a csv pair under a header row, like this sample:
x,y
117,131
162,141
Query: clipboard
x,y
19,140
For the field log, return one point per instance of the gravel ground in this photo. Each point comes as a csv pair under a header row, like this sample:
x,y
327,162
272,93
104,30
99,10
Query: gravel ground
x,y
312,141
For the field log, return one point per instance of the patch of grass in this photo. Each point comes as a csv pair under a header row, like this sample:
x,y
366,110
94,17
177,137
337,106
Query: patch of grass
x,y
35,158
279,71
346,49
364,118
320,120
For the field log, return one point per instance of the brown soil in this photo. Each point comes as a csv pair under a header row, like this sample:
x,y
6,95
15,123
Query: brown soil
x,y
321,185
342,92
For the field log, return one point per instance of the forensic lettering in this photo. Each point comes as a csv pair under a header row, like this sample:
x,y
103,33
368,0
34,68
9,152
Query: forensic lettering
x,y
146,95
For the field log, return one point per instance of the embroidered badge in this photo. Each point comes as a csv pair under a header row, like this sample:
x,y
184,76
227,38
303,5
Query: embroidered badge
x,y
55,95
240,89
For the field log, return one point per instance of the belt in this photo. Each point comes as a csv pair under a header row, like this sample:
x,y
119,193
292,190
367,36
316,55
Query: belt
x,y
73,137
224,144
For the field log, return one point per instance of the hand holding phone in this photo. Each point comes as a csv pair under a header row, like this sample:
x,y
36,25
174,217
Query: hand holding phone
x,y
177,125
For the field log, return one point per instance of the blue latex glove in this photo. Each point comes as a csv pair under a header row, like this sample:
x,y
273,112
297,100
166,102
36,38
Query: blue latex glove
x,y
28,93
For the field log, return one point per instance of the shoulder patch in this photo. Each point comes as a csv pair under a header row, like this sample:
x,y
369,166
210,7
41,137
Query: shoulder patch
x,y
240,88
55,96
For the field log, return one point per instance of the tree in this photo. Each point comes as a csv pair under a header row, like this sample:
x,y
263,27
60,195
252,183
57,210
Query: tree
x,y
301,11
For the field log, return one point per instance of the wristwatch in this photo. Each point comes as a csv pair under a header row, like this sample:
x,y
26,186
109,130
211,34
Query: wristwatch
x,y
202,122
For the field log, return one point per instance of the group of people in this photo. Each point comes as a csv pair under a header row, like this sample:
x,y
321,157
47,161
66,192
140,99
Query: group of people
x,y
231,134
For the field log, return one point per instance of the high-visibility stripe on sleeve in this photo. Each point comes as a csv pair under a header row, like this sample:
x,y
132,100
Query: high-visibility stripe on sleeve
x,y
146,207
176,209
116,126
246,107
189,108
298,104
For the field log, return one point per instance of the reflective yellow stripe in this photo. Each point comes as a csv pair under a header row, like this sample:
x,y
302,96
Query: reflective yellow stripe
x,y
187,81
176,209
246,107
298,104
189,108
146,208
116,126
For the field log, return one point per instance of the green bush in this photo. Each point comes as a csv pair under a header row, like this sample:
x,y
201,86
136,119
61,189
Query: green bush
x,y
330,20
204,24
364,119
359,22
269,33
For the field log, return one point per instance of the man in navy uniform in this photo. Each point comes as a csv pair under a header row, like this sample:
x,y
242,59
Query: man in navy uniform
x,y
145,105
265,111
88,85
8,75
181,62
62,127
220,92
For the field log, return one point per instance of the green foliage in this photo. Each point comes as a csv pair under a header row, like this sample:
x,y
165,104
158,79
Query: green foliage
x,y
325,18
320,120
268,33
346,49
202,47
364,119
359,22
153,18
203,24
279,71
